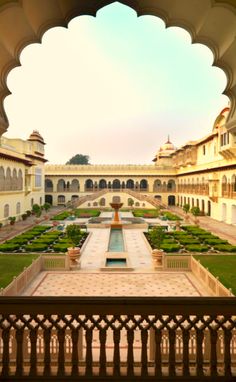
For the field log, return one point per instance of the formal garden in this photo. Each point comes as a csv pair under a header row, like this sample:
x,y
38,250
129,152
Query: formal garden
x,y
188,239
41,239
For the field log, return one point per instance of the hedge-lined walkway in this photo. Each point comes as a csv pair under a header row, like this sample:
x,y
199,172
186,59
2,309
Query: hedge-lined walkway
x,y
9,231
221,229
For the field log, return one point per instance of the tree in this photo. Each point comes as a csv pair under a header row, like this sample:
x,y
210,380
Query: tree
x,y
79,159
73,233
186,208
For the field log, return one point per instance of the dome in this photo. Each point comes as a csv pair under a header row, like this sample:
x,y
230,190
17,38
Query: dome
x,y
35,136
168,146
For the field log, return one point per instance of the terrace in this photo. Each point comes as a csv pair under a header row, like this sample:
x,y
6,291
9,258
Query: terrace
x,y
143,325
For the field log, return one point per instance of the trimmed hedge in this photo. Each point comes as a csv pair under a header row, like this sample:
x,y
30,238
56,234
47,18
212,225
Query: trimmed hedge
x,y
170,247
197,248
9,247
36,247
216,241
225,247
60,247
189,241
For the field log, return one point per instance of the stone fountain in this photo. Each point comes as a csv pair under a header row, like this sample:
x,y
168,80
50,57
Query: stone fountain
x,y
116,222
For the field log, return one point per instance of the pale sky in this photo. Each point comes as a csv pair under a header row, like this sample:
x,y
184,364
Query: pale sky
x,y
113,87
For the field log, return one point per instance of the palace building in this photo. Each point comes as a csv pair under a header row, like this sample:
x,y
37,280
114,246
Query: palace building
x,y
200,173
21,175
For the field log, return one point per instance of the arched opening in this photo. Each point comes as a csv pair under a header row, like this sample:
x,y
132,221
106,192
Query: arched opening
x,y
61,199
224,212
116,184
102,184
209,208
74,198
130,184
49,199
158,197
6,210
48,185
171,200
224,186
2,179
74,185
233,214
171,185
18,209
20,180
61,185
203,206
157,186
89,185
102,202
143,185
214,20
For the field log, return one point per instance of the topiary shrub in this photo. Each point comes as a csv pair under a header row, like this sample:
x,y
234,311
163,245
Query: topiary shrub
x,y
216,241
225,248
189,241
60,247
170,247
36,247
18,240
9,247
197,248
43,241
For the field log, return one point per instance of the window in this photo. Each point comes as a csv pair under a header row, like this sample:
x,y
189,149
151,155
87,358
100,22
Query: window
x,y
204,149
6,210
18,208
38,177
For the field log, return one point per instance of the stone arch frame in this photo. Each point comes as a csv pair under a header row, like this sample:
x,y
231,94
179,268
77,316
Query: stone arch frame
x,y
157,185
130,184
48,185
102,183
61,185
20,180
116,184
2,178
74,185
209,22
89,184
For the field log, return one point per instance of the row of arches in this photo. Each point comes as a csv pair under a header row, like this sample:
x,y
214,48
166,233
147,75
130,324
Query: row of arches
x,y
10,179
116,184
228,186
204,206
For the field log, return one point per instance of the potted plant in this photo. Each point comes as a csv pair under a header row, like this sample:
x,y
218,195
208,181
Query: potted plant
x,y
12,220
156,236
24,216
0,225
37,211
73,234
195,211
46,207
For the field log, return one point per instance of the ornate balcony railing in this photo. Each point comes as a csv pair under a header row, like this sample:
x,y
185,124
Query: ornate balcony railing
x,y
111,339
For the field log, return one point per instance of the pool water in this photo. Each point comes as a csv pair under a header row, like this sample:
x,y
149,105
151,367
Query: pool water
x,y
116,263
116,241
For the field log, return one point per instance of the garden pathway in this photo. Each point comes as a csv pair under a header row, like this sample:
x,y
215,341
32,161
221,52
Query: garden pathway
x,y
221,229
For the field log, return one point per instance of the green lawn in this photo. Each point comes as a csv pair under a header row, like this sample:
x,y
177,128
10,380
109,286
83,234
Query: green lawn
x,y
145,213
13,265
223,267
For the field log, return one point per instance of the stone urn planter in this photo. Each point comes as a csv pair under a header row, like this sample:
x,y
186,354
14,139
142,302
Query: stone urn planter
x,y
157,258
73,254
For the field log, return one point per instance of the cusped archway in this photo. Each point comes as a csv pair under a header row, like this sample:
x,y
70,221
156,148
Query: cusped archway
x,y
210,22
